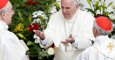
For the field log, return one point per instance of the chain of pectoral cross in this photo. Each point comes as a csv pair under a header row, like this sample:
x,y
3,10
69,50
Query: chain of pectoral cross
x,y
70,32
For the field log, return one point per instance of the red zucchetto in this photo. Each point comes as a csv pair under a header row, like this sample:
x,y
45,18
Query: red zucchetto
x,y
3,3
104,23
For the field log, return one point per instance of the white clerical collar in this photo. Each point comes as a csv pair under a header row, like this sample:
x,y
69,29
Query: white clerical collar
x,y
3,25
101,39
105,45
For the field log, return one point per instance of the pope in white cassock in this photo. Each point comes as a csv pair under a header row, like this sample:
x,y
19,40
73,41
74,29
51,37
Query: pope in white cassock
x,y
70,30
10,46
103,47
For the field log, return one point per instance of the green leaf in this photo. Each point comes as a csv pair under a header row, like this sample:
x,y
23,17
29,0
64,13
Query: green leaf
x,y
110,4
21,36
106,13
104,5
89,2
96,3
20,16
57,5
91,10
100,7
100,0
30,17
30,43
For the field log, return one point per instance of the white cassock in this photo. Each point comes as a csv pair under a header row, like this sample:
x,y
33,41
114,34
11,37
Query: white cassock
x,y
102,49
10,46
59,29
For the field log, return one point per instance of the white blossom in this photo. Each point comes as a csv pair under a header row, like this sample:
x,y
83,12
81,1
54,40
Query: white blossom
x,y
113,5
113,26
96,0
51,51
44,16
42,46
37,20
113,37
40,13
53,10
34,14
36,39
112,16
37,14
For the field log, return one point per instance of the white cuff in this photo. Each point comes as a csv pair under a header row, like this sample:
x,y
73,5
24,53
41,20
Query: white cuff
x,y
43,42
75,44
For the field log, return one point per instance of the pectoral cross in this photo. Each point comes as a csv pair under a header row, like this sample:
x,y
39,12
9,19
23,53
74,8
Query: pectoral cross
x,y
110,46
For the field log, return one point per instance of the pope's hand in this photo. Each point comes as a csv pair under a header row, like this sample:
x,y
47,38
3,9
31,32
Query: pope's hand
x,y
68,40
40,34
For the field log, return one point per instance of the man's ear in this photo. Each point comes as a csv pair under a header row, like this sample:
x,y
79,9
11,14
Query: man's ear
x,y
3,14
97,32
77,6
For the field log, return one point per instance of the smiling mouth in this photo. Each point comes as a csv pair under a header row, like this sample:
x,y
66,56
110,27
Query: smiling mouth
x,y
65,14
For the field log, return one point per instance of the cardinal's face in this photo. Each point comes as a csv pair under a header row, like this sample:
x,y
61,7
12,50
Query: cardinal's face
x,y
8,15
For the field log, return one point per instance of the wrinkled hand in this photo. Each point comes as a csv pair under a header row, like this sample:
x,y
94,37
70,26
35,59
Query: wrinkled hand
x,y
40,34
68,40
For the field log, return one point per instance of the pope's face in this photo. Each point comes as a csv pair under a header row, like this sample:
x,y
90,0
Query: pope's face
x,y
68,8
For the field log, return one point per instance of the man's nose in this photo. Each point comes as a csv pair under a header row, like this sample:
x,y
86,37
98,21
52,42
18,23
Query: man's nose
x,y
64,11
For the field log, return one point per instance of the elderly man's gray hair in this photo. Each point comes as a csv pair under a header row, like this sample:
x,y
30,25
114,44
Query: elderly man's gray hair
x,y
77,1
101,31
5,9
